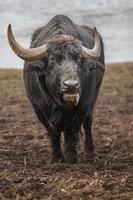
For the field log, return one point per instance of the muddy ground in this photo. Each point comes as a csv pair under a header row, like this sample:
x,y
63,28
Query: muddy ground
x,y
25,172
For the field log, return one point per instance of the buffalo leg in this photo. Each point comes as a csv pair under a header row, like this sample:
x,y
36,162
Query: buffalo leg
x,y
89,146
70,143
56,153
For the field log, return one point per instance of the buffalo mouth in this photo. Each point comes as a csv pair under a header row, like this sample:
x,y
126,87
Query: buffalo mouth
x,y
71,98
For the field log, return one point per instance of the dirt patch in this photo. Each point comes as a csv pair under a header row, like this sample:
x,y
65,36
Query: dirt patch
x,y
25,172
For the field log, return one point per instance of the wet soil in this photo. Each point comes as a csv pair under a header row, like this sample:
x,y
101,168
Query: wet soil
x,y
25,171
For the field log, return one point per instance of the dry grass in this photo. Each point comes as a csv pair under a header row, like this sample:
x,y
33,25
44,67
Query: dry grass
x,y
11,83
118,80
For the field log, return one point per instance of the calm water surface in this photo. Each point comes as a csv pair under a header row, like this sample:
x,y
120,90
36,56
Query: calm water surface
x,y
113,19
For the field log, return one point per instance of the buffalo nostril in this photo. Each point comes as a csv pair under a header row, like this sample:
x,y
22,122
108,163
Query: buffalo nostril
x,y
71,83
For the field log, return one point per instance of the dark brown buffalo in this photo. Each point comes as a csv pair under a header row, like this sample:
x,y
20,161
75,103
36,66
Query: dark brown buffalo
x,y
63,72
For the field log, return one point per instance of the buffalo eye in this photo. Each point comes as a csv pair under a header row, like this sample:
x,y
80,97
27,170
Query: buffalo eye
x,y
35,69
79,61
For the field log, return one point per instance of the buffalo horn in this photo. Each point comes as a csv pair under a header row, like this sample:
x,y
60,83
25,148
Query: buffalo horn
x,y
93,54
26,54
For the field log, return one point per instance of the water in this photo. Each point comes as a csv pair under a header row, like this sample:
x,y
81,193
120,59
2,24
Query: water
x,y
113,19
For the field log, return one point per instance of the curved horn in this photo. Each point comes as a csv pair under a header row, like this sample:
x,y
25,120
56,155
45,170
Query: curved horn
x,y
93,54
26,54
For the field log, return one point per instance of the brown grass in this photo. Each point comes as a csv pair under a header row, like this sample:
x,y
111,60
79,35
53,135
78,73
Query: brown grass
x,y
118,80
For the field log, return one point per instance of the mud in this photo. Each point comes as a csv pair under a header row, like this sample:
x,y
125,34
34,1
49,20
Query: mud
x,y
25,172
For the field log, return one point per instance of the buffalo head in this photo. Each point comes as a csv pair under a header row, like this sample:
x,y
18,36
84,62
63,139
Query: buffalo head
x,y
62,55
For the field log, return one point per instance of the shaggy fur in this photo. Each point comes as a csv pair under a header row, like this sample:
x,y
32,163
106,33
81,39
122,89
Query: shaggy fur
x,y
43,83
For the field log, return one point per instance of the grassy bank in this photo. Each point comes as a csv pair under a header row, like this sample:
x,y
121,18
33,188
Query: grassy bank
x,y
118,80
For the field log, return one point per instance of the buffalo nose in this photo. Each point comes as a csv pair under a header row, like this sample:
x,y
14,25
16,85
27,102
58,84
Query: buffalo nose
x,y
71,84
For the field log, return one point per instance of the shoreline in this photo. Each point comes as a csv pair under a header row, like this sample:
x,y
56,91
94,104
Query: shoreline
x,y
117,80
106,65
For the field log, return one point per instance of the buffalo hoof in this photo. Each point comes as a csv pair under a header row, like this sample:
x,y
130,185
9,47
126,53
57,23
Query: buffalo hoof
x,y
56,159
70,157
89,156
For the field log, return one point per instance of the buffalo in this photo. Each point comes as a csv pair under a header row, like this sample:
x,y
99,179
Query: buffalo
x,y
63,71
